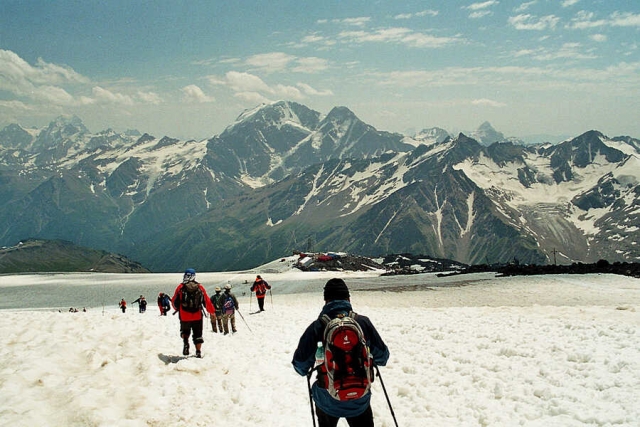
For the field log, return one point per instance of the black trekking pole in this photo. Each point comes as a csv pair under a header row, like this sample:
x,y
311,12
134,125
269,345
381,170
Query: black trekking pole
x,y
386,395
313,415
245,322
271,295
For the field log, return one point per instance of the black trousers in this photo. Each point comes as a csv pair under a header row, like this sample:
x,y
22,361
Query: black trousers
x,y
363,420
261,303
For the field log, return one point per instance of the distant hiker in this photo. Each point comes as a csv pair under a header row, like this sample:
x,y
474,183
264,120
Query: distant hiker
x,y
229,307
216,318
335,399
260,287
164,303
123,305
189,299
160,303
142,304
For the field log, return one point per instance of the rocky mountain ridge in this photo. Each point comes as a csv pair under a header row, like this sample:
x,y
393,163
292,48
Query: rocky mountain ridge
x,y
283,174
33,256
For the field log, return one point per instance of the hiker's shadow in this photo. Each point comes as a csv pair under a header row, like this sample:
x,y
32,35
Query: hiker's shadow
x,y
167,358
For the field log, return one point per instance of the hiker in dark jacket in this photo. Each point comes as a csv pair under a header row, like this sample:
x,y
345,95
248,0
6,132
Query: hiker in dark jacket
x,y
229,307
164,303
216,318
260,287
142,304
357,412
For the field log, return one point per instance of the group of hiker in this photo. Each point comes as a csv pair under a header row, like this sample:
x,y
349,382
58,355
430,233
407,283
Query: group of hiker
x,y
191,300
343,348
142,304
225,305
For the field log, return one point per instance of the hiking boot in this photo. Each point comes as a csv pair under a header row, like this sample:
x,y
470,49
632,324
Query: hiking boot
x,y
234,331
185,349
198,354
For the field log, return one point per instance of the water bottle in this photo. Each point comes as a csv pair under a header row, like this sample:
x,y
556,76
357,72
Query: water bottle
x,y
319,354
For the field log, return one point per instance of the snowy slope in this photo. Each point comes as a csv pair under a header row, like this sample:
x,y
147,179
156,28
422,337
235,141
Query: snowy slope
x,y
535,351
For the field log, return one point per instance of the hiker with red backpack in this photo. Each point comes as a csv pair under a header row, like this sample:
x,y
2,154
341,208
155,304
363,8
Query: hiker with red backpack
x,y
190,299
342,348
260,287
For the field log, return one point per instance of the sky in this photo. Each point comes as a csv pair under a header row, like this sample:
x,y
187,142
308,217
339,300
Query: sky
x,y
189,69
557,350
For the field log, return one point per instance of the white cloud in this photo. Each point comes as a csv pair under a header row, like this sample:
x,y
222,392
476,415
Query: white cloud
x,y
312,91
287,92
566,51
39,82
529,22
313,38
251,87
404,16
627,19
193,94
310,65
428,12
230,60
358,22
584,20
15,105
57,85
150,97
480,14
621,76
422,13
252,97
245,82
567,3
598,37
399,35
479,10
481,5
525,6
488,103
279,62
106,96
428,41
270,62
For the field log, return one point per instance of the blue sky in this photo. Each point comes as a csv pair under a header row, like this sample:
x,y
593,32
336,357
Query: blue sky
x,y
188,69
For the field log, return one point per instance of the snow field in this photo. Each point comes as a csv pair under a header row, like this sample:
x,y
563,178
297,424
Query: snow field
x,y
485,354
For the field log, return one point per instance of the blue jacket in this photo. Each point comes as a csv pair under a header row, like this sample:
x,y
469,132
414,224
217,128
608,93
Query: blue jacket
x,y
304,359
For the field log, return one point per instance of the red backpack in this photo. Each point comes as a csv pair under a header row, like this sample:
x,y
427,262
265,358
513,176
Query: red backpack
x,y
347,371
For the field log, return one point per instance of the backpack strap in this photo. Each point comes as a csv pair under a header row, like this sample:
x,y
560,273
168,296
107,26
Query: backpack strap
x,y
325,319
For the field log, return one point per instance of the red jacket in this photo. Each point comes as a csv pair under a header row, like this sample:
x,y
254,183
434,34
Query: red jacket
x,y
186,316
260,288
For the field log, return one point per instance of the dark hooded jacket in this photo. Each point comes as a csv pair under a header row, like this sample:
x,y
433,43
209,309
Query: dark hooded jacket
x,y
304,359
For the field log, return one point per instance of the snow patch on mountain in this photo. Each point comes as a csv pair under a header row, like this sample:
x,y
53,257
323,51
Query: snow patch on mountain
x,y
362,182
312,192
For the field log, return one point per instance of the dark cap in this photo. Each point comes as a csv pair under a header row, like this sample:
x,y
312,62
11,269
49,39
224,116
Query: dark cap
x,y
336,289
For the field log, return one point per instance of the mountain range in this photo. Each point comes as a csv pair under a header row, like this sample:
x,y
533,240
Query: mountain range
x,y
284,177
